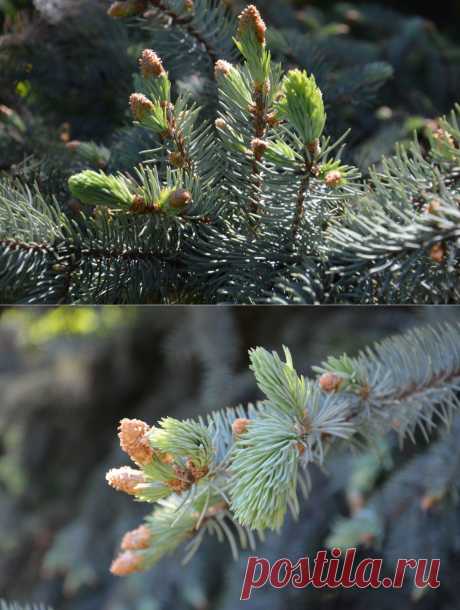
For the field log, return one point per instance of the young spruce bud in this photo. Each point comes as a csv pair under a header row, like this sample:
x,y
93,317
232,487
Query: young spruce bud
x,y
127,563
240,426
222,68
334,179
301,104
150,64
97,188
179,199
125,479
134,441
251,25
137,539
250,40
330,382
259,148
141,106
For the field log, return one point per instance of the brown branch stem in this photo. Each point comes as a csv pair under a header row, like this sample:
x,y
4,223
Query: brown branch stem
x,y
301,195
260,129
187,24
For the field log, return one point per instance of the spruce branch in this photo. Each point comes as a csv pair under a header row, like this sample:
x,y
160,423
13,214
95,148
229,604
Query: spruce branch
x,y
239,471
257,205
187,22
407,224
251,42
398,511
300,206
203,24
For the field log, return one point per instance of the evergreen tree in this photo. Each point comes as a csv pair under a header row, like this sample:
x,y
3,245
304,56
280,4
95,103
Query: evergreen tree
x,y
236,473
67,376
234,183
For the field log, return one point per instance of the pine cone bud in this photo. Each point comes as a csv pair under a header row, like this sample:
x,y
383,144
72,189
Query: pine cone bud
x,y
140,106
179,199
240,426
133,440
125,479
250,19
137,539
259,147
127,9
222,68
333,179
127,563
438,253
150,64
330,382
220,124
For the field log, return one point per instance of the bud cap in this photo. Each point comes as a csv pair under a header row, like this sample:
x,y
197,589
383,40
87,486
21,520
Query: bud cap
x,y
125,479
127,563
134,441
150,64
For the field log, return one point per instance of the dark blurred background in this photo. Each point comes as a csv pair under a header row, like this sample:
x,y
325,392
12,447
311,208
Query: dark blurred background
x,y
67,376
444,13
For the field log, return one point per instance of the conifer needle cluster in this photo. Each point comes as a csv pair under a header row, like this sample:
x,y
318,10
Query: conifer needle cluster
x,y
238,472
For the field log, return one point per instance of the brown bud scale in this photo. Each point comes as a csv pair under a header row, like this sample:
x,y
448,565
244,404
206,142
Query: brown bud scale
x,y
179,199
330,382
438,253
240,426
333,179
